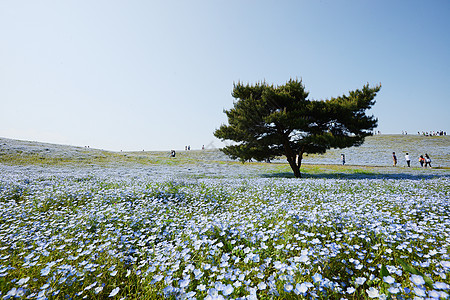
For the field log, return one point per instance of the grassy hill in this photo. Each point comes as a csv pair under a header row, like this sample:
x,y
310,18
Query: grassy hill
x,y
376,151
372,159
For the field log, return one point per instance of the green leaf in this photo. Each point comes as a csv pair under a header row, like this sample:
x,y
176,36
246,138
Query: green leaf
x,y
384,272
409,268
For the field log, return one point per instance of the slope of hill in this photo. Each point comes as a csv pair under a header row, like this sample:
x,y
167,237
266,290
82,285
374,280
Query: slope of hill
x,y
376,151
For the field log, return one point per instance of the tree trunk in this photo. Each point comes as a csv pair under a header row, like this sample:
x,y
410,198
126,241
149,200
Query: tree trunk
x,y
295,161
294,166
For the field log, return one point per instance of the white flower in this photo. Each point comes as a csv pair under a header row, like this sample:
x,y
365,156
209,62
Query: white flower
x,y
288,287
419,292
373,292
350,290
98,289
23,281
45,271
360,280
417,279
277,265
114,292
168,289
41,294
184,283
198,274
262,286
445,264
158,277
441,286
389,279
303,258
219,286
434,294
228,289
300,288
12,293
393,290
317,277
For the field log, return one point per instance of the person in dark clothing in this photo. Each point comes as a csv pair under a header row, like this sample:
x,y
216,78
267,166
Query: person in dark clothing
x,y
394,159
421,160
427,160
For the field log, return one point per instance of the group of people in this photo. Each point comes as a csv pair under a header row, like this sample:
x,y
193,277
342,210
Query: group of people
x,y
188,148
433,133
426,133
424,160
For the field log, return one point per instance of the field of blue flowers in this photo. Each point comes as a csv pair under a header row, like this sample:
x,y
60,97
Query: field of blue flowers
x,y
79,223
126,233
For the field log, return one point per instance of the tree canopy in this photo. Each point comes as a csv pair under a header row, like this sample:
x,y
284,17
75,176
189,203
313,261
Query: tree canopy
x,y
269,121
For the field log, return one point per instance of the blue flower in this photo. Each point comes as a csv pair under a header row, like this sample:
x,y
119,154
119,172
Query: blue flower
x,y
114,292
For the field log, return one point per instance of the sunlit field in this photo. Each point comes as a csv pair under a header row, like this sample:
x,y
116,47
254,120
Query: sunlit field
x,y
144,226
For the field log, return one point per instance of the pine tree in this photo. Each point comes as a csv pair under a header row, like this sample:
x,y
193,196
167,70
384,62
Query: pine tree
x,y
269,121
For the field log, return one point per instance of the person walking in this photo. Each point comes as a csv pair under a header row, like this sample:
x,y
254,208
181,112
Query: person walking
x,y
408,161
343,158
394,159
427,160
421,160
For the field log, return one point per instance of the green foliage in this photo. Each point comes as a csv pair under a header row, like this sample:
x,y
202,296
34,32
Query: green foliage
x,y
409,268
268,121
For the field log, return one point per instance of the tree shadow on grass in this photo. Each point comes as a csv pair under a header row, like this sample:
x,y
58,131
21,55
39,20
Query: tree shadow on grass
x,y
357,175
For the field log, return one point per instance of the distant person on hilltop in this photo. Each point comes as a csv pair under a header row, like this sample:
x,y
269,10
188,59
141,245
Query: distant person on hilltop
x,y
394,159
408,161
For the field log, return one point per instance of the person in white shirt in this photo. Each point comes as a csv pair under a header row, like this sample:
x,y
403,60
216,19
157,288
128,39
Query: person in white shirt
x,y
408,161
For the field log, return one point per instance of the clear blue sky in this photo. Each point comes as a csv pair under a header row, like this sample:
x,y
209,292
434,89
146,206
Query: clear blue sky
x,y
156,75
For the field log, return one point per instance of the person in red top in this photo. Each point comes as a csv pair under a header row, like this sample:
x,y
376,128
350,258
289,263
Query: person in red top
x,y
421,160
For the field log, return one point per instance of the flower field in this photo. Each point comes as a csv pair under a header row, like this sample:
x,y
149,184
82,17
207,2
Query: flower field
x,y
130,233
